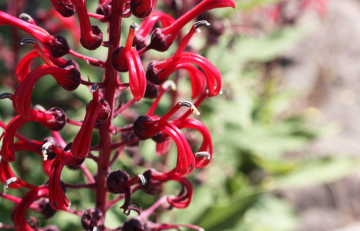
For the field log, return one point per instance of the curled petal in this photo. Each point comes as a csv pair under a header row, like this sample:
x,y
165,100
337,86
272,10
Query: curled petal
x,y
161,39
19,212
185,158
68,79
137,77
54,119
57,198
82,141
163,147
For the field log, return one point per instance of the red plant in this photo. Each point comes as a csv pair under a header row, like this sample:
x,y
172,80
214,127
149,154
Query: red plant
x,y
151,82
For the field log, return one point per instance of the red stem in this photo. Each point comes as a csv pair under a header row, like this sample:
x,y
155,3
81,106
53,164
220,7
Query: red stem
x,y
110,83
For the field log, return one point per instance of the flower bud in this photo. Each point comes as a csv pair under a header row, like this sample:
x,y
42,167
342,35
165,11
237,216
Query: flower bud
x,y
144,129
133,225
92,218
45,208
118,59
152,73
96,35
152,90
105,10
116,180
160,137
59,47
76,162
65,7
127,136
141,8
139,42
159,40
104,111
59,120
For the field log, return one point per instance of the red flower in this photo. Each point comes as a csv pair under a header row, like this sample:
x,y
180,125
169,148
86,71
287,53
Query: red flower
x,y
97,111
19,212
56,45
54,119
158,72
127,59
161,39
145,127
68,78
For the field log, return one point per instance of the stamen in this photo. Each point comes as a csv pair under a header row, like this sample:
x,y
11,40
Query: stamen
x,y
142,179
95,229
7,183
39,107
44,149
27,41
203,154
26,17
94,87
134,27
190,105
6,95
200,24
169,83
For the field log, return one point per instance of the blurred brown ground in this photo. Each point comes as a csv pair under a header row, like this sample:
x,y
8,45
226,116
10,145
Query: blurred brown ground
x,y
327,64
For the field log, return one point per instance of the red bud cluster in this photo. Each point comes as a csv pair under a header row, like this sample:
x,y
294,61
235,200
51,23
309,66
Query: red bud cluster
x,y
151,83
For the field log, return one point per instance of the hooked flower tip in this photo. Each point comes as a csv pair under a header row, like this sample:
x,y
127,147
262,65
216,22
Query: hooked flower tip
x,y
94,87
142,179
26,17
44,149
190,105
201,23
7,183
169,83
27,41
203,154
134,27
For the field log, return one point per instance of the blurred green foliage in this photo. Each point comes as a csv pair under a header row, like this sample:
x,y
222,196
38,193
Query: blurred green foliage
x,y
251,130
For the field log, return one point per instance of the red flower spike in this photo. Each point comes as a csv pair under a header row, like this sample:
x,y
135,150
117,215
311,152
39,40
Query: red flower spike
x,y
56,45
69,79
91,36
147,25
97,111
161,39
127,59
57,198
53,119
142,8
19,212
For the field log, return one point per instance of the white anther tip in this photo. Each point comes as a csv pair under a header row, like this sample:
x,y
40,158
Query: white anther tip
x,y
169,83
142,179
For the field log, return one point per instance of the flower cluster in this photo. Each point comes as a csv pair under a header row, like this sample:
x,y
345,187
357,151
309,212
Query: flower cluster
x,y
149,82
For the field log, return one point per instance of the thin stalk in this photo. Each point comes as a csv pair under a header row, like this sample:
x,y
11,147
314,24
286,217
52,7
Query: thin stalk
x,y
109,89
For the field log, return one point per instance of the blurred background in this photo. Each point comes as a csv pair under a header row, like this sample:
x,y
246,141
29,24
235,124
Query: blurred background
x,y
285,130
